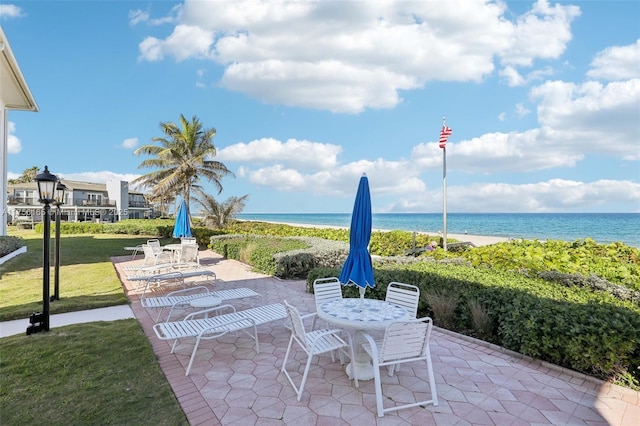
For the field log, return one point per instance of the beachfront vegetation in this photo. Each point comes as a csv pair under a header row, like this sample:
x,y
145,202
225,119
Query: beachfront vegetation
x,y
615,263
181,159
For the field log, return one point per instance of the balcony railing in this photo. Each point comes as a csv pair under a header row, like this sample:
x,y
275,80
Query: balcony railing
x,y
94,203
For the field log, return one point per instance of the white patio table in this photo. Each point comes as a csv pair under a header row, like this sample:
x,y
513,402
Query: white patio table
x,y
368,315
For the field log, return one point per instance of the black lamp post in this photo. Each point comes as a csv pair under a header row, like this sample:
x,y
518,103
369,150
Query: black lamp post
x,y
59,200
46,186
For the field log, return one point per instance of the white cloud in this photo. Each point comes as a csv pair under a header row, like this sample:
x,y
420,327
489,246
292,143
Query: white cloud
x,y
393,177
138,16
346,57
9,11
129,143
556,195
14,146
617,63
492,153
185,42
592,117
521,110
292,153
543,32
143,16
512,76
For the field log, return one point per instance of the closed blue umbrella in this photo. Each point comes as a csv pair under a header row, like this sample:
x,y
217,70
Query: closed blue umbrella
x,y
358,269
182,227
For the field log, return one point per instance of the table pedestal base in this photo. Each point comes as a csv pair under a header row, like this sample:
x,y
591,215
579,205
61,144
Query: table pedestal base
x,y
363,367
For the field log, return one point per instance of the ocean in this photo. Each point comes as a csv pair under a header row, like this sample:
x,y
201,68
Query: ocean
x,y
602,227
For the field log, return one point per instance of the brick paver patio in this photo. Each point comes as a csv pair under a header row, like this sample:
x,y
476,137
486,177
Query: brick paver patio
x,y
478,384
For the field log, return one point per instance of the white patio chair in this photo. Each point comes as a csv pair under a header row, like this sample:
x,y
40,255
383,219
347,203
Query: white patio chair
x,y
155,245
404,295
314,343
325,289
152,257
403,342
187,256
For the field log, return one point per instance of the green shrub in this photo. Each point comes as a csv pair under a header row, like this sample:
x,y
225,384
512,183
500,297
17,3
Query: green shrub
x,y
615,262
257,251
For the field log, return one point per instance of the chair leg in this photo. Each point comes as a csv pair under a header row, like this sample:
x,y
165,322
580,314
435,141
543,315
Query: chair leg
x,y
432,380
193,355
297,390
304,376
286,356
378,388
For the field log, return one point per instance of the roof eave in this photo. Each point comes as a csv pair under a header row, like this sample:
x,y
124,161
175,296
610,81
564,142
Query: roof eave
x,y
16,79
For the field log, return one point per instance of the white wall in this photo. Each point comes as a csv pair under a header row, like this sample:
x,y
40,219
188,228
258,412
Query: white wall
x,y
118,191
3,167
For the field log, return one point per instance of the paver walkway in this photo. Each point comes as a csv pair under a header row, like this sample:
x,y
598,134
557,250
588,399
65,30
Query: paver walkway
x,y
477,384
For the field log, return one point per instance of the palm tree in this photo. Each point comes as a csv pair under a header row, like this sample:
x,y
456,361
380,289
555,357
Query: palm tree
x,y
160,202
28,175
182,159
216,214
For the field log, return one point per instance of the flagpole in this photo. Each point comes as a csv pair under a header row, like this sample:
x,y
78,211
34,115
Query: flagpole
x,y
444,191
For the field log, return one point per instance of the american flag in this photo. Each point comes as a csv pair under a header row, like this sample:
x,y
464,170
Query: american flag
x,y
444,135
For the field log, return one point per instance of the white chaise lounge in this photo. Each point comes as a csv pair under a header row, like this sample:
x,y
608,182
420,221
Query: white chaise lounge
x,y
219,325
174,277
185,296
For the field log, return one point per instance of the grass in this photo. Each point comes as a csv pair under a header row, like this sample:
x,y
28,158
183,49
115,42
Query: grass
x,y
95,373
88,279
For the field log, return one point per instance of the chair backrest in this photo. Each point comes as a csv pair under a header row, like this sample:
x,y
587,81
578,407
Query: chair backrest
x,y
297,326
404,295
405,340
325,289
155,245
188,253
188,240
149,255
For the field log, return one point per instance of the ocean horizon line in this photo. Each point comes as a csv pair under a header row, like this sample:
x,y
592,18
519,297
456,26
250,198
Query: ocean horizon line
x,y
603,228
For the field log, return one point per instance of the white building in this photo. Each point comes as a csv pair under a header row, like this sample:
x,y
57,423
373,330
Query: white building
x,y
83,202
14,95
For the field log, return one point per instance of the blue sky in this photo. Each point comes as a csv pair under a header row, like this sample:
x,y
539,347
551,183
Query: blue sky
x,y
543,98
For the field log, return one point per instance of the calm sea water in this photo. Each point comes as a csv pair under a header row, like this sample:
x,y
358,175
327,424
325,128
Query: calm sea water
x,y
602,227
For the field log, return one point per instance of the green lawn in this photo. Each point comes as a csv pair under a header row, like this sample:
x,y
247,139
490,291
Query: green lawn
x,y
96,373
87,277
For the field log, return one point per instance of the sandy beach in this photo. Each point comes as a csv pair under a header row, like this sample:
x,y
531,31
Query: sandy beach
x,y
476,240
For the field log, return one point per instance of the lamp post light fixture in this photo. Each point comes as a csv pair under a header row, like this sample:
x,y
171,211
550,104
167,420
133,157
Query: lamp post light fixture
x,y
39,321
59,200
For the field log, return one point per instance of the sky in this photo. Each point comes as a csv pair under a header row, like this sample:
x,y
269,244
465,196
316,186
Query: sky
x,y
543,98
